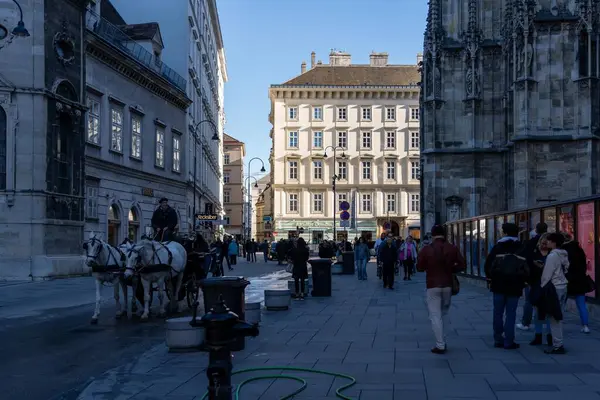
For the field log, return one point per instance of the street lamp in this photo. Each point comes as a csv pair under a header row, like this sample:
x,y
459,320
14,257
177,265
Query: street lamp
x,y
249,218
20,30
334,178
216,138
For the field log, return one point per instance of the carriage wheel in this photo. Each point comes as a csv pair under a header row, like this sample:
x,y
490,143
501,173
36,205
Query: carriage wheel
x,y
192,291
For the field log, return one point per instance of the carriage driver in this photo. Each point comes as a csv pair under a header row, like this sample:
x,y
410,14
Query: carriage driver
x,y
164,221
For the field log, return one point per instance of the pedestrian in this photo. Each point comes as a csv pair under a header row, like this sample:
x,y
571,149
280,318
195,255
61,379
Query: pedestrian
x,y
535,288
264,247
440,261
362,254
388,255
281,252
579,282
554,290
224,256
507,271
407,256
253,249
531,247
299,257
233,253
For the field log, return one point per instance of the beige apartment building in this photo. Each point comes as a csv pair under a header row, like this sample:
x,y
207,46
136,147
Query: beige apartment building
x,y
263,222
234,192
357,125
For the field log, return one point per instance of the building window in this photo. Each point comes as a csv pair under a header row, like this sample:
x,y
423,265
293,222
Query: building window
x,y
91,200
293,170
226,158
415,203
366,203
317,113
342,172
293,202
160,148
414,140
226,177
342,113
366,113
318,170
366,140
227,220
366,170
391,203
415,170
318,140
390,114
133,225
293,140
176,154
390,140
342,139
116,130
136,136
317,237
341,197
226,197
414,114
93,128
292,113
391,170
318,202
3,147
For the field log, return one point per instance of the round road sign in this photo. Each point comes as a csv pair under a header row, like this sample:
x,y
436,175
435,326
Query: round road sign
x,y
344,215
344,206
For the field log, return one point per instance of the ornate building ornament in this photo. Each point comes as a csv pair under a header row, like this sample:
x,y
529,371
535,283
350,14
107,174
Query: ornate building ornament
x,y
64,45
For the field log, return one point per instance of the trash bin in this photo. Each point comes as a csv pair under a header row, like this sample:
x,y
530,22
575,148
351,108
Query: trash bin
x,y
233,290
348,263
321,275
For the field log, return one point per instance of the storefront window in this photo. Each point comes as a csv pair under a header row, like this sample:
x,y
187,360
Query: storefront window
x,y
491,239
585,237
461,240
522,224
456,236
468,246
499,223
567,220
550,218
482,246
510,218
534,219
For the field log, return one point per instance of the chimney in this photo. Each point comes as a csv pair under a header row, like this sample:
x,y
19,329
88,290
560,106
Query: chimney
x,y
419,58
313,55
339,58
378,59
303,67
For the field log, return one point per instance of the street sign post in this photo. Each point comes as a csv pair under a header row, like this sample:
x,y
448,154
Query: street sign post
x,y
344,206
345,223
344,215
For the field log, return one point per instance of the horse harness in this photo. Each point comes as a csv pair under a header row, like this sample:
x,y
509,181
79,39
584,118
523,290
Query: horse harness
x,y
106,266
155,249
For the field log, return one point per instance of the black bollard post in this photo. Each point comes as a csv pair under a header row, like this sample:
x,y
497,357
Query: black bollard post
x,y
222,327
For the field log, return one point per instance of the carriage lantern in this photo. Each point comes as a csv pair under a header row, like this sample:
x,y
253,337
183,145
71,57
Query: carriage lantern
x,y
222,327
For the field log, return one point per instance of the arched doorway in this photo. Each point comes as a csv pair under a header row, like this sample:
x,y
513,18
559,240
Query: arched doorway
x,y
3,135
134,224
114,223
394,228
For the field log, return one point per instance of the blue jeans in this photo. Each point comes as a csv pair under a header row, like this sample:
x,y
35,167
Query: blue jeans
x,y
583,312
266,256
504,304
539,325
527,308
362,268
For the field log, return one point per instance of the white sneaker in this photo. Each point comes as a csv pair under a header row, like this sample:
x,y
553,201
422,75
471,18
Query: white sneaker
x,y
522,327
585,329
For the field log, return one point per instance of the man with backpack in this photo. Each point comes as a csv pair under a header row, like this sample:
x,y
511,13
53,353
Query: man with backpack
x,y
507,272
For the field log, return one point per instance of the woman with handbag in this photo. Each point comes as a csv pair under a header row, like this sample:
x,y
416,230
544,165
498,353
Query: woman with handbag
x,y
535,278
580,282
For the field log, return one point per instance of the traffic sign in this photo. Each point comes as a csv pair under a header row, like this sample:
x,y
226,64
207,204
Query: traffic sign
x,y
344,206
387,226
344,215
267,218
345,223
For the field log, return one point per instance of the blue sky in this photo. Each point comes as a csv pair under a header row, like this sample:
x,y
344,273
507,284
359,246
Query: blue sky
x,y
267,40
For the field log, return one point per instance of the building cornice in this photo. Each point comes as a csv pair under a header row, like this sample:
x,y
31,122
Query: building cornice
x,y
131,69
342,185
331,92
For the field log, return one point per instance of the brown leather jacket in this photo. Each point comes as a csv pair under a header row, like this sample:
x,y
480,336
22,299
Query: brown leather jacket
x,y
439,261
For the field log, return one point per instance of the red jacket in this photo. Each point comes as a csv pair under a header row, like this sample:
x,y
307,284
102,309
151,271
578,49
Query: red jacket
x,y
439,261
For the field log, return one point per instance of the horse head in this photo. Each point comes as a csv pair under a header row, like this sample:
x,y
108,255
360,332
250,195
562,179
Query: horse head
x,y
93,248
138,255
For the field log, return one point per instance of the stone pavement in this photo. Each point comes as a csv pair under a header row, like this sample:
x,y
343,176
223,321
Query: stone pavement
x,y
383,339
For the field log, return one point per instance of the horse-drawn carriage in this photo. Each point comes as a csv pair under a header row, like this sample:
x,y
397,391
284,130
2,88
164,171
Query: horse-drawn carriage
x,y
148,266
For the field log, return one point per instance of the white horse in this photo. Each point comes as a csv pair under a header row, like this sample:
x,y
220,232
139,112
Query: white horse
x,y
108,265
157,262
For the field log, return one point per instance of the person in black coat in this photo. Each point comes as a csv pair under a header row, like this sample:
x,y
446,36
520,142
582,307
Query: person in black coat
x,y
388,255
579,283
164,221
299,255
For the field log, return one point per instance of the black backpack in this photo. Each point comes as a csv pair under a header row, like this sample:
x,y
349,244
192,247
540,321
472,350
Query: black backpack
x,y
510,266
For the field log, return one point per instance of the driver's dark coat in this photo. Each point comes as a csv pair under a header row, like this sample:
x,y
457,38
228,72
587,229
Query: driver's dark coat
x,y
164,219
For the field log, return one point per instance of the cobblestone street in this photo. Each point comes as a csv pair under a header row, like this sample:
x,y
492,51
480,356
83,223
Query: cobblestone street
x,y
382,339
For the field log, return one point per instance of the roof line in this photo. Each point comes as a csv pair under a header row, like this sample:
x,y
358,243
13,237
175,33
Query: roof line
x,y
341,86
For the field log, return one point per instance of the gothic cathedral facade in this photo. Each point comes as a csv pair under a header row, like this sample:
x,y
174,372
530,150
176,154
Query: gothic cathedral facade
x,y
510,105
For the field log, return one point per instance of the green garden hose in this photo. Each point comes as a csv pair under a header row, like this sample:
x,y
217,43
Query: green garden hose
x,y
338,392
